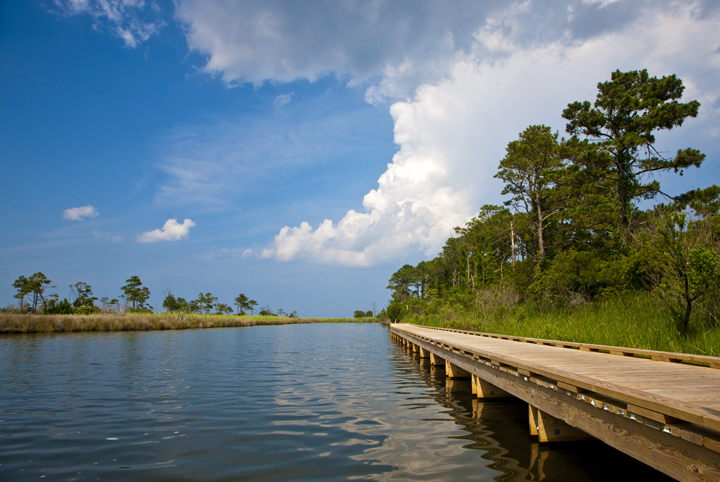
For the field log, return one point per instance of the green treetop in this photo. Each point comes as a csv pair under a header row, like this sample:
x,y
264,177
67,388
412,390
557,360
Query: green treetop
x,y
135,292
621,125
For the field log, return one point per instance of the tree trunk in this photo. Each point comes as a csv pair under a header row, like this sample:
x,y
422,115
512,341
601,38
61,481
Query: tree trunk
x,y
541,243
688,303
622,191
467,261
512,239
688,310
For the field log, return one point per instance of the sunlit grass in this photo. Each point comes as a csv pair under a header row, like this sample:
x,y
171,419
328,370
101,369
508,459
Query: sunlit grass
x,y
635,320
25,323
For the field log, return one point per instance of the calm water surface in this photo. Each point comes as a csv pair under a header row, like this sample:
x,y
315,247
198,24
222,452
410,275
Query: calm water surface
x,y
295,402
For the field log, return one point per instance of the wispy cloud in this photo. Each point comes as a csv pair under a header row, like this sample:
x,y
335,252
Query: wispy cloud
x,y
134,21
80,213
171,231
217,163
282,99
107,236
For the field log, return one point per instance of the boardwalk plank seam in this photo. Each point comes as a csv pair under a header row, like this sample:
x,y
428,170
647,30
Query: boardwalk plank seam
x,y
684,451
593,394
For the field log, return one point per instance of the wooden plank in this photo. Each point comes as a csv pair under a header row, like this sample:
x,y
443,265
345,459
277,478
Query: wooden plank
x,y
713,362
571,388
596,383
658,417
679,458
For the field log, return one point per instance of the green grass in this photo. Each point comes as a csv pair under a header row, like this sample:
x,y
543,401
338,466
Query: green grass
x,y
636,320
26,323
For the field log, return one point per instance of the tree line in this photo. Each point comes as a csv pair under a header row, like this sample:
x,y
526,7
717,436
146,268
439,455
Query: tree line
x,y
572,230
32,297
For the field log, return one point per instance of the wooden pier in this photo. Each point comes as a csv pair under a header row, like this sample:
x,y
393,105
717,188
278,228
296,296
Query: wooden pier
x,y
660,408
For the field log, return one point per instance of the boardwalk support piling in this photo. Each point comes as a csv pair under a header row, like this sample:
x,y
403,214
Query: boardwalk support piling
x,y
550,429
436,360
483,389
454,371
630,403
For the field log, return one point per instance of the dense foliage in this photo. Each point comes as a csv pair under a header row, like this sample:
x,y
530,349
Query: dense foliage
x,y
572,231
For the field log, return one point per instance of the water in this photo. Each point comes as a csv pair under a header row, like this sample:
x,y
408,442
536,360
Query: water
x,y
295,402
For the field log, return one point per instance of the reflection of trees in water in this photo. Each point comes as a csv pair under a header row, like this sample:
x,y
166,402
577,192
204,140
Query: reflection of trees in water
x,y
499,428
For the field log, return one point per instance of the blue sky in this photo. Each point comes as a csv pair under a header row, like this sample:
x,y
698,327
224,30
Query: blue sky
x,y
313,148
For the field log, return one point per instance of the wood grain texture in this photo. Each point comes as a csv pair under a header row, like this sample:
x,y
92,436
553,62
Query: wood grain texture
x,y
675,390
544,377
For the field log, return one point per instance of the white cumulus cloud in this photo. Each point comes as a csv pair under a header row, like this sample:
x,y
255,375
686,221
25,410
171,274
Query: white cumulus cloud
x,y
452,135
80,213
171,231
470,76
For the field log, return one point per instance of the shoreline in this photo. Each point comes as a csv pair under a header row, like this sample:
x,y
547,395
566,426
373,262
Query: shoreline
x,y
18,324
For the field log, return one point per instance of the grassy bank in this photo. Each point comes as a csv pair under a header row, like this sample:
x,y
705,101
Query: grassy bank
x,y
22,323
634,320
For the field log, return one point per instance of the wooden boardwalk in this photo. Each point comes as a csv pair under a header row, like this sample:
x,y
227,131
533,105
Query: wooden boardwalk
x,y
661,408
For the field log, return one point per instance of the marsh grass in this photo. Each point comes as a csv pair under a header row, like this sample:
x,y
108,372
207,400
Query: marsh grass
x,y
635,320
25,323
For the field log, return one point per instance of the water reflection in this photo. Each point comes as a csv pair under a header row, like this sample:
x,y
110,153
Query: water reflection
x,y
294,402
499,428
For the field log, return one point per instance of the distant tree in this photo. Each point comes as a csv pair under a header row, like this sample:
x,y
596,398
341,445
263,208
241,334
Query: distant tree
x,y
174,304
240,302
363,314
82,292
109,305
620,125
35,287
22,285
192,305
205,302
135,292
222,309
266,311
56,307
244,303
